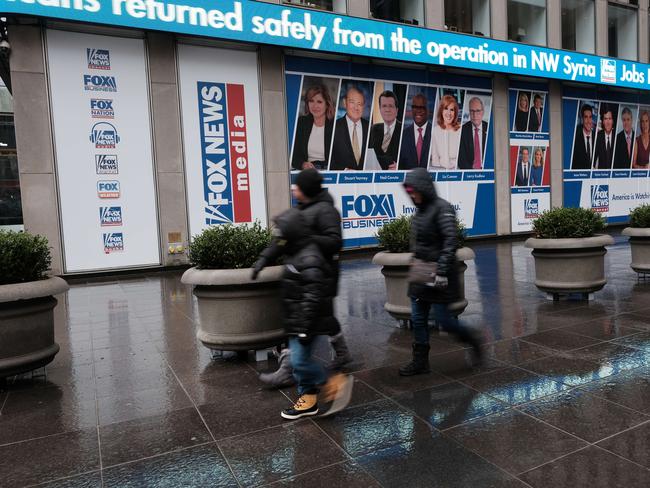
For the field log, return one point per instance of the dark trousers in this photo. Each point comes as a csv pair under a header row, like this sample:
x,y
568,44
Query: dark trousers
x,y
420,319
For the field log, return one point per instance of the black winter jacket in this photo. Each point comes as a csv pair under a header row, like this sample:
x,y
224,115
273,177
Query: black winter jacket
x,y
433,238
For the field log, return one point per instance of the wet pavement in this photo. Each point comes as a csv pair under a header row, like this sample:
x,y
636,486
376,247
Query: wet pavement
x,y
133,400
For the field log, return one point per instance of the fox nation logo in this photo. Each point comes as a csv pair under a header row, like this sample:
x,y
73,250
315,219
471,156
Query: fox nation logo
x,y
101,108
104,136
98,58
113,242
100,83
367,211
600,198
106,164
108,189
110,216
531,208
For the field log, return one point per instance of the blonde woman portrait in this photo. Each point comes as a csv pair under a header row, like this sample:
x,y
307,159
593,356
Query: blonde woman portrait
x,y
446,135
641,154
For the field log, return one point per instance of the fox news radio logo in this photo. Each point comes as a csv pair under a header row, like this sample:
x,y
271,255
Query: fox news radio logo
x,y
108,189
100,83
367,211
104,136
101,108
531,208
113,242
106,164
110,216
98,58
600,198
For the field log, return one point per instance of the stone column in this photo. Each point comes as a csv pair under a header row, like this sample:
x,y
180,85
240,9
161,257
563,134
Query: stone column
x,y
554,108
499,19
359,8
602,36
434,11
554,24
501,133
644,40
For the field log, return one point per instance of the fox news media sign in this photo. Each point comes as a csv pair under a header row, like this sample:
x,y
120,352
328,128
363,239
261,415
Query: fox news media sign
x,y
222,137
100,109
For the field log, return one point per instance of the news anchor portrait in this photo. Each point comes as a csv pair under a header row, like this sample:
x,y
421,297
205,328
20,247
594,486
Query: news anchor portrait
x,y
624,149
313,137
473,136
604,150
416,139
583,141
385,135
522,173
446,135
536,114
641,153
537,170
350,132
521,114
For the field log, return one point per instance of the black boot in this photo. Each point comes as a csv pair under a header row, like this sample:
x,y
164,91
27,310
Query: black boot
x,y
420,362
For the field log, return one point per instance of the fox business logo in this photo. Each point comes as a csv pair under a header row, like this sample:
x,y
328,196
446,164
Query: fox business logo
x,y
531,208
600,198
367,211
108,189
110,216
101,108
113,242
98,58
106,164
100,83
104,136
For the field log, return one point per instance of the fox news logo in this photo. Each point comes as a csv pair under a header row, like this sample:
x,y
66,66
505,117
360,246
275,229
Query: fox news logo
x,y
98,58
531,208
109,216
100,83
101,108
104,136
106,164
607,71
600,198
108,189
366,211
113,242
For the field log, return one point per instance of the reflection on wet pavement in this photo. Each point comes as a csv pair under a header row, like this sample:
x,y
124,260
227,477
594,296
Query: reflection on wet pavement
x,y
133,399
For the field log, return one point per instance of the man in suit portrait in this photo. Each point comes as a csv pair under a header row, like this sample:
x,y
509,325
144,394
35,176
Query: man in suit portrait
x,y
583,142
384,136
536,114
472,137
350,134
522,174
416,139
604,150
624,141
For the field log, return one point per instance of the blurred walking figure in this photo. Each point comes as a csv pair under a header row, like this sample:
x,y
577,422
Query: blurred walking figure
x,y
433,276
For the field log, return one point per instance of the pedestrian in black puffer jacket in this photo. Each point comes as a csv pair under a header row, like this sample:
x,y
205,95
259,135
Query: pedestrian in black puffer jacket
x,y
433,239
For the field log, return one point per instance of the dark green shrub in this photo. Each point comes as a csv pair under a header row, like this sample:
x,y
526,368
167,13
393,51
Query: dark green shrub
x,y
395,236
559,223
228,246
23,257
640,216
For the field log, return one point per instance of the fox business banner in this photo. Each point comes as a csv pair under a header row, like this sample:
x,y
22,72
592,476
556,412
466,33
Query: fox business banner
x,y
606,151
530,172
100,109
222,137
365,126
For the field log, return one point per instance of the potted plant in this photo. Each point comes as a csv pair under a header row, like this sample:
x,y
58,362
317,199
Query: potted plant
x,y
394,237
26,303
639,234
235,312
569,253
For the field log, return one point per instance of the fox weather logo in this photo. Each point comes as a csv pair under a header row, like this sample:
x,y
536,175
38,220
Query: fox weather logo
x,y
106,164
100,83
531,208
98,58
367,211
104,136
600,198
108,189
110,216
113,242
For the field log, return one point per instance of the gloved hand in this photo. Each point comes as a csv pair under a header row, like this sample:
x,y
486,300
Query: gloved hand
x,y
441,282
259,265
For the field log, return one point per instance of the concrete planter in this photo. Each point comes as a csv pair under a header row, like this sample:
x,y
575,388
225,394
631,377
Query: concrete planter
x,y
235,312
570,265
395,267
27,325
640,246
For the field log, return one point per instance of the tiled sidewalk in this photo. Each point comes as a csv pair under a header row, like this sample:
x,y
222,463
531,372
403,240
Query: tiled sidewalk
x,y
132,400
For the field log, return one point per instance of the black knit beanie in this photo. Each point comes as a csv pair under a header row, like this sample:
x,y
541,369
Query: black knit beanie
x,y
309,181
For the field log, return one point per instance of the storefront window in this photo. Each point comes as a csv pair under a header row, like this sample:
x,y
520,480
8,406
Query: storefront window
x,y
338,6
469,16
622,31
578,25
527,21
11,214
405,11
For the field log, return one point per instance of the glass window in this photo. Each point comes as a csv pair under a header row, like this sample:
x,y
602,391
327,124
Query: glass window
x,y
578,25
527,21
469,16
622,31
404,11
11,213
338,6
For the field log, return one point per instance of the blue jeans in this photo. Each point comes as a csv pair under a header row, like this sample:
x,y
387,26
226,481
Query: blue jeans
x,y
309,374
420,320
